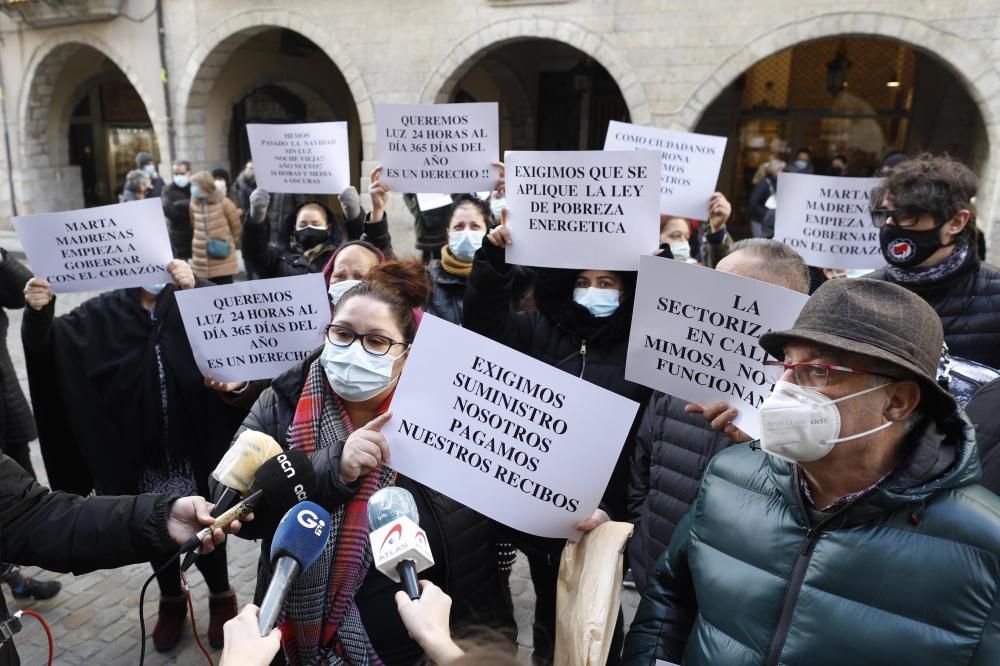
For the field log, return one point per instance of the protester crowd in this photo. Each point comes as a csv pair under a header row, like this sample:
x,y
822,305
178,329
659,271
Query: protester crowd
x,y
861,527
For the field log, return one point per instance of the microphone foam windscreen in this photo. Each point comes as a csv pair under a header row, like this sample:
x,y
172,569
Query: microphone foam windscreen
x,y
286,479
248,452
301,534
388,504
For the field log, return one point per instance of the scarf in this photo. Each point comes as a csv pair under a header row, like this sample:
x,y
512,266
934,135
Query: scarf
x,y
935,273
320,622
453,265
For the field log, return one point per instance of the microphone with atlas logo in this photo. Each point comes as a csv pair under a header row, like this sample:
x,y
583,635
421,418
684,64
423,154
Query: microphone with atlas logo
x,y
399,544
297,544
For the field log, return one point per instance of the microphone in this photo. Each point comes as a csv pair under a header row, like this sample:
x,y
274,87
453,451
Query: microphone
x,y
297,544
235,472
398,542
280,482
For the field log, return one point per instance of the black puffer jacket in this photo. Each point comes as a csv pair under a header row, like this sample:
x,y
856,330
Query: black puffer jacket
x,y
447,293
560,333
17,425
984,412
672,450
176,203
968,303
64,532
471,575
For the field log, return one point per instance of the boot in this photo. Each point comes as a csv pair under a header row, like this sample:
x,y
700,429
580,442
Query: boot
x,y
167,633
221,608
32,588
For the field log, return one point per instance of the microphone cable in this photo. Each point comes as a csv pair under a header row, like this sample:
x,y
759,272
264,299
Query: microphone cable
x,y
45,626
142,614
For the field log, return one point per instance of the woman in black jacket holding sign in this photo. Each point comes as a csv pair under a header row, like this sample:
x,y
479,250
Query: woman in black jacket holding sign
x,y
122,408
581,326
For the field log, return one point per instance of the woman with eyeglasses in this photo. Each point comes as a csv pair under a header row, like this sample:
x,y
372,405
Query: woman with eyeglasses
x,y
926,218
332,407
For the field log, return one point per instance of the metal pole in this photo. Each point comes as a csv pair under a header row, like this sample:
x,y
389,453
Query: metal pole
x,y
162,38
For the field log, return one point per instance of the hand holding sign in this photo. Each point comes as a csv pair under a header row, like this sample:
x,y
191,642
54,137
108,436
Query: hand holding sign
x,y
365,449
719,210
379,193
720,417
500,235
181,273
37,293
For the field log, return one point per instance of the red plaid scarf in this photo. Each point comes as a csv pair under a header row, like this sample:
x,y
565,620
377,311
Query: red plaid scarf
x,y
328,630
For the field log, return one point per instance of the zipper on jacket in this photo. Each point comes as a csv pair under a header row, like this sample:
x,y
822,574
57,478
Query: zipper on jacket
x,y
583,358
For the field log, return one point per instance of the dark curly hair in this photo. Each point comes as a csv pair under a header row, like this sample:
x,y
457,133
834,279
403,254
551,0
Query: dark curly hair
x,y
938,184
402,285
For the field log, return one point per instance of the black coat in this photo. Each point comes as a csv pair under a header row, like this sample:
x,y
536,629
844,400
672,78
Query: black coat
x,y
176,207
95,387
447,298
968,303
984,412
672,450
68,533
17,425
471,576
560,333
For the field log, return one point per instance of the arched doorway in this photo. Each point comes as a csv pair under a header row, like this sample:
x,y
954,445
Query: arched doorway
x,y
860,97
85,123
552,96
263,74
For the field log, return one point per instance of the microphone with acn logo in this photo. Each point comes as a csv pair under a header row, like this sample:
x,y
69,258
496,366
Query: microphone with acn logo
x,y
399,544
297,544
279,483
235,472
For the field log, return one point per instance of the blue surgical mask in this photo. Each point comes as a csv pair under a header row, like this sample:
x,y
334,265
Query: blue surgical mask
x,y
154,289
354,374
151,169
800,164
599,302
681,250
463,244
180,180
496,206
195,192
338,289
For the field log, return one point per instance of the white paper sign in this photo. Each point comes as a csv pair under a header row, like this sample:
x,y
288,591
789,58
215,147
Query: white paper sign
x,y
94,249
432,201
305,158
503,433
827,219
690,164
257,329
695,332
583,209
438,147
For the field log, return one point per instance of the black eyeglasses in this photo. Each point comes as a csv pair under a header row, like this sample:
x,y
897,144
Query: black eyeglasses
x,y
373,343
903,216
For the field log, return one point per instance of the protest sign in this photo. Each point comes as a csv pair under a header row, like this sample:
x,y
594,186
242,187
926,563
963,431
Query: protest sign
x,y
107,247
583,209
305,158
689,164
438,147
827,220
257,329
695,331
432,201
505,434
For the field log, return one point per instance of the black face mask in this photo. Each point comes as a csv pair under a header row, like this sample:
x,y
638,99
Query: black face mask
x,y
310,237
905,248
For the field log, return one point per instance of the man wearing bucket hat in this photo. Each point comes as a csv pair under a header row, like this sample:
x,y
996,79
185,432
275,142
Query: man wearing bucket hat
x,y
854,531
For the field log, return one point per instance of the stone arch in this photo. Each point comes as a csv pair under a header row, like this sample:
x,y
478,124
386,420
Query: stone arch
x,y
215,47
467,51
968,62
38,147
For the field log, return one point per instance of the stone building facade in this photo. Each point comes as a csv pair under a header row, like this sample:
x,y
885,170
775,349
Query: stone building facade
x,y
87,81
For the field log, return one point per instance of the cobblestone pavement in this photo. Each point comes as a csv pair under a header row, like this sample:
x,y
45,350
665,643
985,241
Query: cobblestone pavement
x,y
95,618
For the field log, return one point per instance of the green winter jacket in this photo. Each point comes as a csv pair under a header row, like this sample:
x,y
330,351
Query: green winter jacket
x,y
906,574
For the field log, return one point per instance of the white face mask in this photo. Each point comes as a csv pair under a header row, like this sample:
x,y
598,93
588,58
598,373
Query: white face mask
x,y
800,424
354,374
681,250
154,289
496,207
599,302
338,289
463,244
220,185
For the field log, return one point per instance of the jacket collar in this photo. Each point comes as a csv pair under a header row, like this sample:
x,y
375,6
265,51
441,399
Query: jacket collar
x,y
941,456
